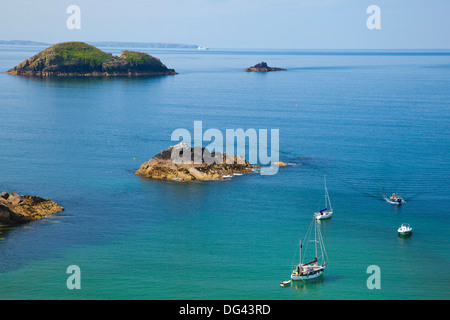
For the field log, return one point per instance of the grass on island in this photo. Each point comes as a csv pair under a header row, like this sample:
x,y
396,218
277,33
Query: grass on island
x,y
75,51
135,57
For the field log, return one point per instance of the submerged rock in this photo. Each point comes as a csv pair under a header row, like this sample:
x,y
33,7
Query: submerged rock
x,y
263,67
17,209
70,59
198,164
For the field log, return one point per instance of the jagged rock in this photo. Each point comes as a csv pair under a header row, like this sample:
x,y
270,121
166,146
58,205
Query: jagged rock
x,y
16,209
167,165
263,67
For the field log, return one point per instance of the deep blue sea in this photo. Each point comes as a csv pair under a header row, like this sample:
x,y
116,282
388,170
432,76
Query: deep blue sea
x,y
376,122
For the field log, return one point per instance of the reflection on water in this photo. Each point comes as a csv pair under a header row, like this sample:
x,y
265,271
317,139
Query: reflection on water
x,y
314,284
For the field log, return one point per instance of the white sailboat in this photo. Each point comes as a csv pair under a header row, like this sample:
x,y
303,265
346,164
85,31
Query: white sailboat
x,y
328,210
316,267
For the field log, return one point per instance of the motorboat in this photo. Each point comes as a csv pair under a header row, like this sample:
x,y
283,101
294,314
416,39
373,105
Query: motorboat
x,y
405,229
398,200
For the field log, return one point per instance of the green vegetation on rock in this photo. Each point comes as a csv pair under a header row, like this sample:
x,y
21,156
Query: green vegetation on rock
x,y
81,59
76,51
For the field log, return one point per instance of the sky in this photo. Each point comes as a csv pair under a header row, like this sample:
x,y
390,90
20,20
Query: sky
x,y
268,24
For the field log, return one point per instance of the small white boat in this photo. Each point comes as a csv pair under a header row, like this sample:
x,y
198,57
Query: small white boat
x,y
395,199
202,48
405,229
286,283
328,210
314,268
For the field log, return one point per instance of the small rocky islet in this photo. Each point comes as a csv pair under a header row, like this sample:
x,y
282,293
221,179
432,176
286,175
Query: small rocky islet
x,y
162,167
78,59
263,67
18,209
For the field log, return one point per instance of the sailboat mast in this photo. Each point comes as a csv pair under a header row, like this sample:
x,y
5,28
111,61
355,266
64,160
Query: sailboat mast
x,y
327,197
300,251
315,236
322,248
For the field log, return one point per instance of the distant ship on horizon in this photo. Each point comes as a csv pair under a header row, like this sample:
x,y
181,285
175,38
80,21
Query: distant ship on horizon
x,y
202,48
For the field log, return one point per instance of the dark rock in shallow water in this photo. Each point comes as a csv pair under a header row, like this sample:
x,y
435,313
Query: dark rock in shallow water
x,y
70,59
263,67
16,209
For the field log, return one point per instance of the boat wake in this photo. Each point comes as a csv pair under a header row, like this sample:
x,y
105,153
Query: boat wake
x,y
373,184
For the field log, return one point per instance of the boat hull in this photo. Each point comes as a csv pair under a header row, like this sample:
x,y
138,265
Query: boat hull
x,y
285,283
323,215
405,233
312,274
306,277
397,201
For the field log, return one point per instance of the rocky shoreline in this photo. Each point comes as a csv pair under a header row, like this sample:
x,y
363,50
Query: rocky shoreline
x,y
18,209
89,74
162,167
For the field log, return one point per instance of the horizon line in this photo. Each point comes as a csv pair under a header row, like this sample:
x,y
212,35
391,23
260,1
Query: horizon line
x,y
38,43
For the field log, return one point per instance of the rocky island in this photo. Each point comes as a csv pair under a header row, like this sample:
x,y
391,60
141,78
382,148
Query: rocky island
x,y
263,67
71,59
162,167
16,209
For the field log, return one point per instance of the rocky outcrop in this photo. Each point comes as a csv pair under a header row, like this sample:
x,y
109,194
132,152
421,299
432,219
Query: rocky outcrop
x,y
198,164
78,59
263,67
16,209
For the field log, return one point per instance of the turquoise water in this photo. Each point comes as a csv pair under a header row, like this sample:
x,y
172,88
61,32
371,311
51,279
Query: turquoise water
x,y
375,122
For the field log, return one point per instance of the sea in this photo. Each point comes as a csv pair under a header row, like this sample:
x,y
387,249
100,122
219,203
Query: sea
x,y
374,121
